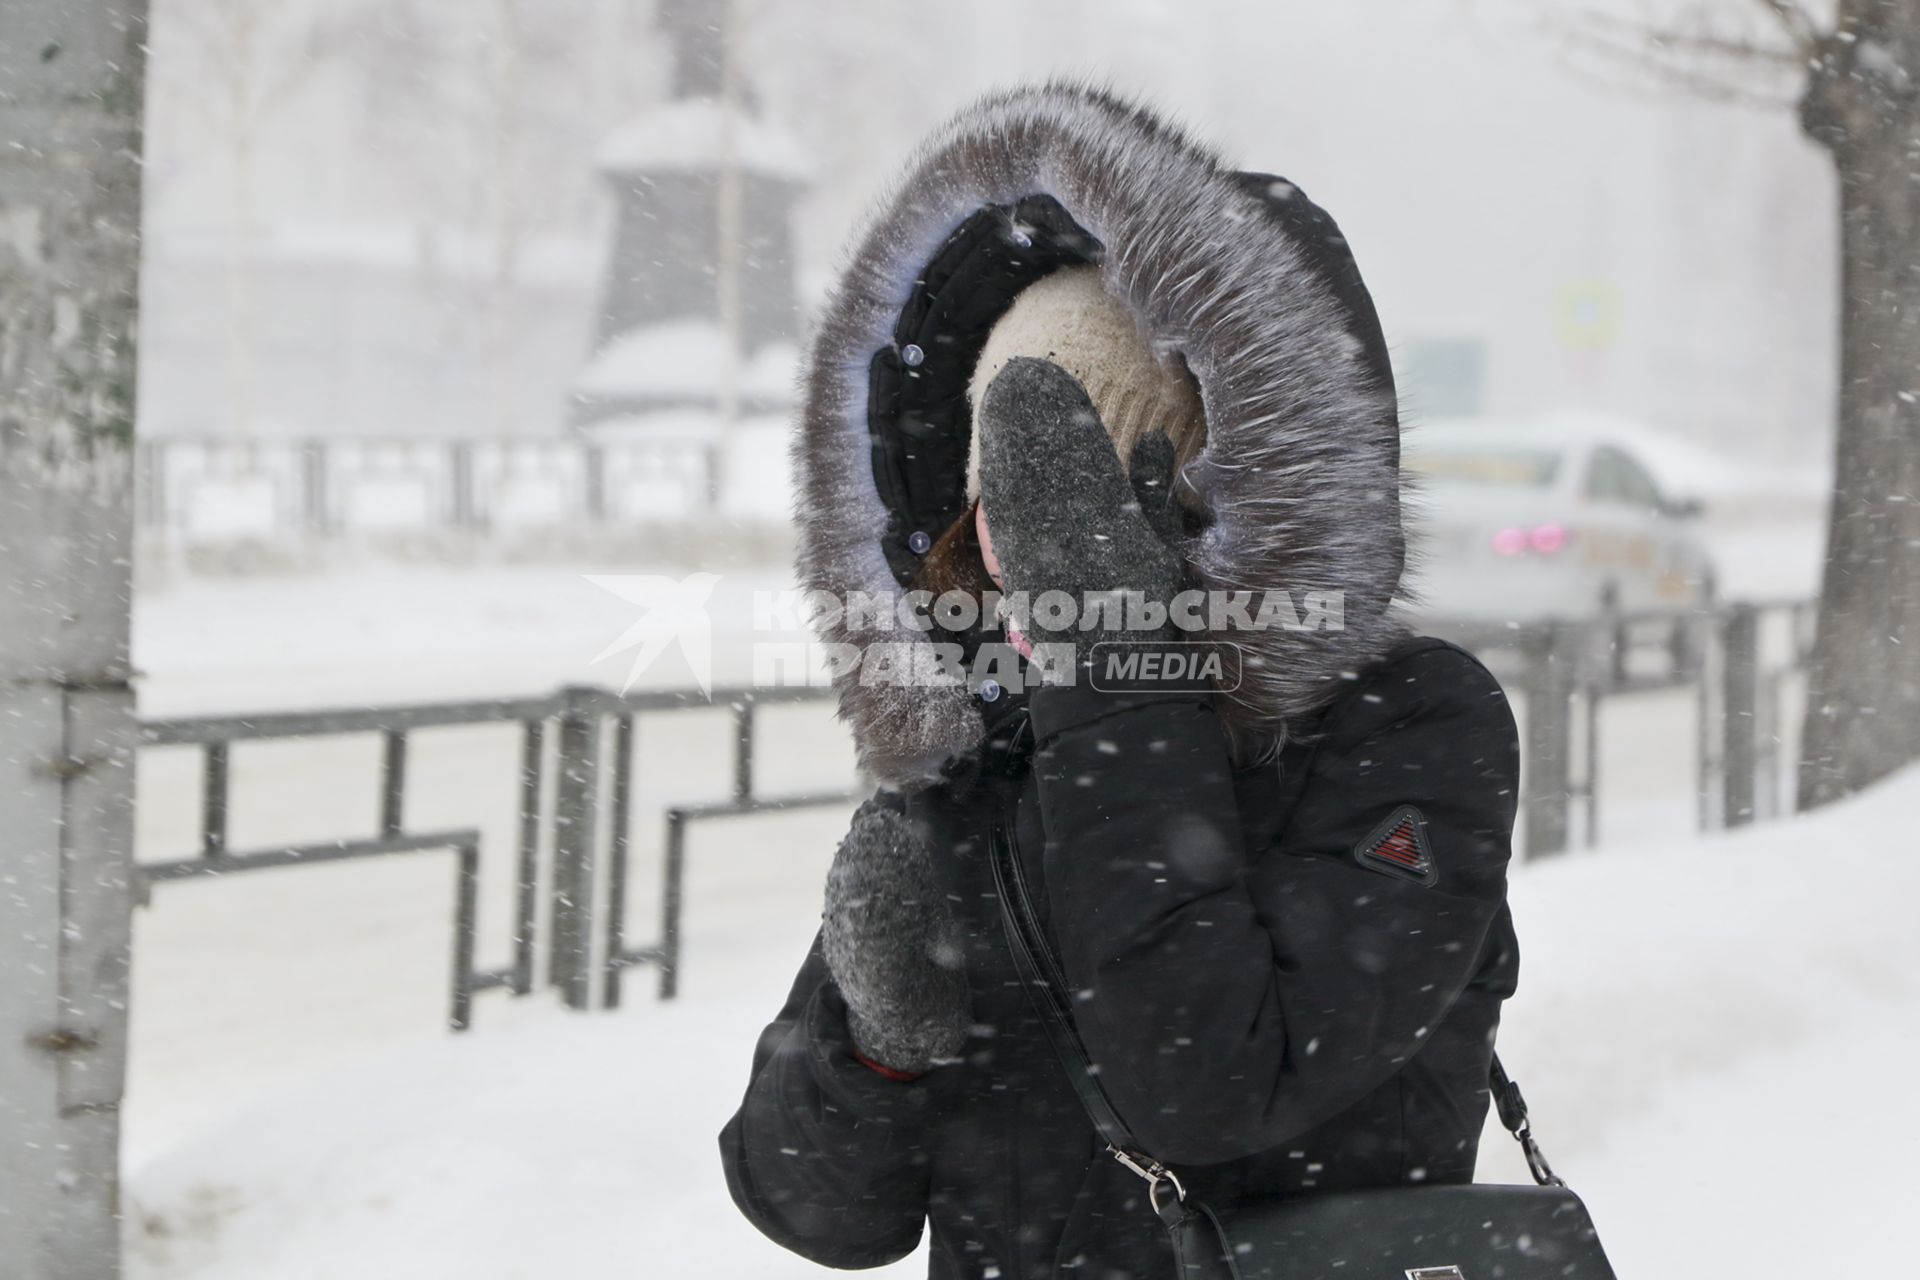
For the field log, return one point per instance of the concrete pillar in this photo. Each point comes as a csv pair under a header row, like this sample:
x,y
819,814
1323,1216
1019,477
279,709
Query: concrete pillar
x,y
71,98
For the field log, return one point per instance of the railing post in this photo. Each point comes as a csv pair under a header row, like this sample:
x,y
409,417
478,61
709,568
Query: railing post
x,y
1590,699
466,910
1705,740
1739,704
393,782
743,750
619,852
673,890
1549,689
1613,625
713,480
466,511
526,885
575,837
214,791
593,465
150,485
313,486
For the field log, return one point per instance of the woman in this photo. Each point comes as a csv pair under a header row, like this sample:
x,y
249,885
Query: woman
x,y
1101,362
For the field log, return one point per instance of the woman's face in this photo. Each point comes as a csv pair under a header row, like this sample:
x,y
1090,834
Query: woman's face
x,y
987,557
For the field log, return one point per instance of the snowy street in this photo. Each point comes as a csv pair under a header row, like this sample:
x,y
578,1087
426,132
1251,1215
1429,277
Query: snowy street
x,y
1709,1100
511,509
296,1111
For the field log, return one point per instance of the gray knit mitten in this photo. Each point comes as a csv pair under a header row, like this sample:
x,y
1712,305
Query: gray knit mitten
x,y
893,944
1064,514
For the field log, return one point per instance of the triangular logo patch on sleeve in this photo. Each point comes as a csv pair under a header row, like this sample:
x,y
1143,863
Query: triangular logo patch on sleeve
x,y
1399,847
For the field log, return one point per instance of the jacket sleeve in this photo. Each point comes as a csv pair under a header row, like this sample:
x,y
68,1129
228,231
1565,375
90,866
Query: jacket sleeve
x,y
1236,998
825,1156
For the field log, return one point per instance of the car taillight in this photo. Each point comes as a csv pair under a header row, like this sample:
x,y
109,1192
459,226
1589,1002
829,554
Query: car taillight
x,y
1545,539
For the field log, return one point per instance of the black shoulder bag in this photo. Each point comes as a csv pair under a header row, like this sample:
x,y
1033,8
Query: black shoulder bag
x,y
1472,1232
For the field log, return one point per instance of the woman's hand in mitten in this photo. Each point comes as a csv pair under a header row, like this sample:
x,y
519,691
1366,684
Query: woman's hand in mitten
x,y
893,944
1063,513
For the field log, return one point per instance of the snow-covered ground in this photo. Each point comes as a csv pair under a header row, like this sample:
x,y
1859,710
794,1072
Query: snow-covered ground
x,y
1715,1035
385,633
245,984
1713,1031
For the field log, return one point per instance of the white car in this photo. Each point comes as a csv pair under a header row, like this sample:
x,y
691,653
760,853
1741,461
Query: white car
x,y
1520,522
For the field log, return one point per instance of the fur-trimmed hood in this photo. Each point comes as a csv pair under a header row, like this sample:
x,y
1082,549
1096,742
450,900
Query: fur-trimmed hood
x,y
1239,273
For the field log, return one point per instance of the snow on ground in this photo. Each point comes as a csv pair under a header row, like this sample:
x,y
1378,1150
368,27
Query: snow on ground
x,y
379,632
384,633
1712,1030
1766,562
247,985
1715,1036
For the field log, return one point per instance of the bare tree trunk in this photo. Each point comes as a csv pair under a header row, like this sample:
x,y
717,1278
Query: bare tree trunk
x,y
506,87
240,265
242,21
71,88
1863,699
730,217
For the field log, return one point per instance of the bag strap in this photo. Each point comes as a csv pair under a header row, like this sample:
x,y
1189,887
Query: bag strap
x,y
1512,1106
1047,988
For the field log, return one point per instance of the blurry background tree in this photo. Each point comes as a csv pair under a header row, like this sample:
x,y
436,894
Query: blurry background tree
x,y
477,110
245,59
1850,67
459,137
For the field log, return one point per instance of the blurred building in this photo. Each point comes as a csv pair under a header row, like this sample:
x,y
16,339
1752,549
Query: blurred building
x,y
361,329
1537,238
697,312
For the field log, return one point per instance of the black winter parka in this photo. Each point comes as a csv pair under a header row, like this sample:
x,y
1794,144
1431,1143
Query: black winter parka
x,y
1272,1005
1289,972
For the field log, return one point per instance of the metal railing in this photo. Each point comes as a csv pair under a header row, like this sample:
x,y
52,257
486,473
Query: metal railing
x,y
558,829
577,759
1567,672
209,489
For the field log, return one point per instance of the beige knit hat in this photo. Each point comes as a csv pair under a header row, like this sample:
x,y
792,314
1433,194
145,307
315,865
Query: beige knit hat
x,y
1070,318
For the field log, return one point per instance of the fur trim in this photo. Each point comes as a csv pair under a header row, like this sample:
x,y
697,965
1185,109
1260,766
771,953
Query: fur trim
x,y
1300,470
